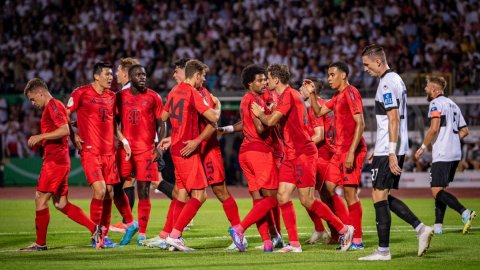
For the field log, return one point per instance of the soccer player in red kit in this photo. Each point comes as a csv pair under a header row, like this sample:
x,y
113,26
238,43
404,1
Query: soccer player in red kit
x,y
316,130
53,181
140,111
345,167
300,152
123,192
95,106
183,107
256,160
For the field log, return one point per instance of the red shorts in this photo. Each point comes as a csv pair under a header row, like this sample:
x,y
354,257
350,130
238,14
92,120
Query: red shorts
x,y
54,178
140,165
339,175
213,165
323,161
99,168
189,172
259,169
300,171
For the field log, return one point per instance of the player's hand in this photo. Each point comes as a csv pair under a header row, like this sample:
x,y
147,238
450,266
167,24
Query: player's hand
x,y
128,150
308,86
190,147
34,139
220,131
156,154
370,158
349,160
216,101
393,164
77,141
165,143
419,153
257,110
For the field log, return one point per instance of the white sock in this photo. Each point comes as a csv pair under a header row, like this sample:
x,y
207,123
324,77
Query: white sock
x,y
419,227
437,226
384,249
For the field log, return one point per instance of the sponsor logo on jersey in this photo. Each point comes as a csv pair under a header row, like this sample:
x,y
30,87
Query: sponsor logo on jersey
x,y
387,99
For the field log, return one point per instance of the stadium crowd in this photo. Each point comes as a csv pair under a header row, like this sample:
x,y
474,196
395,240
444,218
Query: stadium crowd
x,y
59,41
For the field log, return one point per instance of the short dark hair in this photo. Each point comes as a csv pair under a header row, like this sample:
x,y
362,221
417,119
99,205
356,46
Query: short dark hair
x,y
342,66
181,63
280,71
375,50
99,66
193,66
33,85
438,80
132,68
249,73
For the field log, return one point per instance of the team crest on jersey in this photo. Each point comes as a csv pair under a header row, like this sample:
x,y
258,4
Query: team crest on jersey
x,y
387,98
205,102
70,102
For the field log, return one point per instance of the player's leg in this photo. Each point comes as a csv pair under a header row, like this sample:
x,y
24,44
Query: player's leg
x,y
319,232
442,174
355,215
42,218
144,208
284,195
228,202
123,192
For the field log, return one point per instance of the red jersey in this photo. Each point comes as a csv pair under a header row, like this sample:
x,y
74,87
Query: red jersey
x,y
95,118
345,104
138,117
211,142
271,97
252,141
54,116
294,124
184,103
327,146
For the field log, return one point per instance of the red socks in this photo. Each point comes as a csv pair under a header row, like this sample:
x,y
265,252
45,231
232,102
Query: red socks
x,y
356,220
106,213
231,210
290,220
144,207
317,221
76,214
42,218
96,207
121,202
167,228
262,224
322,211
260,209
274,225
339,208
188,212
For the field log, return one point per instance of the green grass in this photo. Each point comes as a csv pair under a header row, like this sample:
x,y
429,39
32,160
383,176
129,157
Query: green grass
x,y
68,242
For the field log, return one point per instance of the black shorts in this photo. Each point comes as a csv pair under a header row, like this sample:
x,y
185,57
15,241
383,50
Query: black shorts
x,y
442,173
382,177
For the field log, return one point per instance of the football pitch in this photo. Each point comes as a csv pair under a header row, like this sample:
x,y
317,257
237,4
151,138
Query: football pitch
x,y
69,247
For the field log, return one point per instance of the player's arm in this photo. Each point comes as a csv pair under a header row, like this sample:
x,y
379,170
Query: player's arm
x,y
268,120
191,145
393,124
432,133
58,133
317,109
357,136
318,135
125,144
165,116
463,132
74,137
237,127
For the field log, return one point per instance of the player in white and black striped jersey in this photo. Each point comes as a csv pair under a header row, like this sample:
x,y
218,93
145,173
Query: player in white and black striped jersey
x,y
447,128
390,149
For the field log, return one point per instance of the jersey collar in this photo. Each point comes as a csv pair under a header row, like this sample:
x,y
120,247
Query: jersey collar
x,y
386,72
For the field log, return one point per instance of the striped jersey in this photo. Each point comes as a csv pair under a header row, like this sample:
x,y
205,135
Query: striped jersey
x,y
391,94
446,147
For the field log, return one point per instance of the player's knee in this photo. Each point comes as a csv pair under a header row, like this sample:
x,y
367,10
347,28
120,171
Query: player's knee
x,y
59,205
306,202
221,193
282,198
99,193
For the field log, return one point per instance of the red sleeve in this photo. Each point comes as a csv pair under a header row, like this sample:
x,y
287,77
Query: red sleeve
x,y
158,106
58,113
74,100
284,104
199,102
315,121
354,100
331,103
